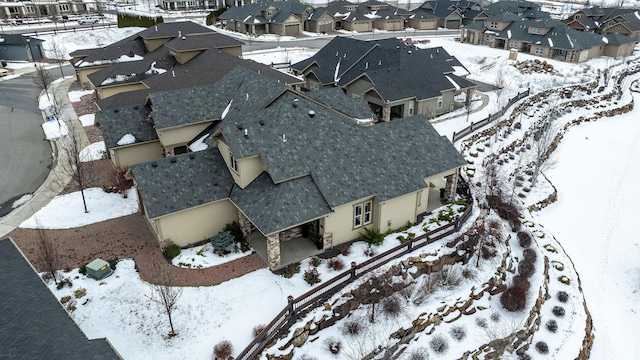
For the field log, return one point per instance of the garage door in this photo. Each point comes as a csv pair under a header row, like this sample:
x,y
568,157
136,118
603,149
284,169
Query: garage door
x,y
325,27
291,30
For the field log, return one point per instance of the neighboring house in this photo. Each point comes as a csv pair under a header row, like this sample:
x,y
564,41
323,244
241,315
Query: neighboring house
x,y
522,27
34,324
288,167
20,48
268,17
190,4
36,8
607,21
395,79
367,16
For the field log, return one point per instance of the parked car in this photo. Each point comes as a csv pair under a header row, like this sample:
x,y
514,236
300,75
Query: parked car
x,y
89,20
4,72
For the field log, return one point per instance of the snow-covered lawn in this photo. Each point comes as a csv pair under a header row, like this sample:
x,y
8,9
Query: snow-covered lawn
x,y
67,211
199,257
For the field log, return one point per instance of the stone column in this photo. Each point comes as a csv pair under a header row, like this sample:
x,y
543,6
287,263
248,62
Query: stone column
x,y
273,251
450,187
327,240
245,224
169,152
386,113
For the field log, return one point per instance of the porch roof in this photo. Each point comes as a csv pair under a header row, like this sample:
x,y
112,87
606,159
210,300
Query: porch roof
x,y
115,123
274,207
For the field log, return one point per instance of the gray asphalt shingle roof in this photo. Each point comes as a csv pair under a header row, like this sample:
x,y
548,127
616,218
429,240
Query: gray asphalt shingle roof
x,y
288,203
335,97
202,41
203,178
115,123
173,29
559,36
34,324
251,12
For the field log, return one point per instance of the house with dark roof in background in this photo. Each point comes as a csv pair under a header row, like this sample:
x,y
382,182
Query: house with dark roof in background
x,y
366,16
18,47
396,80
523,27
623,21
34,324
295,170
268,17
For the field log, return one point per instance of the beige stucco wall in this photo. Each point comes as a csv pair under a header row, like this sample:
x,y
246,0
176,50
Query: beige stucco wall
x,y
126,156
545,51
248,168
233,50
428,107
179,136
398,210
422,24
388,24
105,92
357,26
340,222
360,86
152,44
618,51
597,51
83,73
183,57
195,224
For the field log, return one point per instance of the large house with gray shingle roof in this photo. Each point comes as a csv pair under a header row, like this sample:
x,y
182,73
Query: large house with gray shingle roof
x,y
514,26
395,79
599,20
268,17
290,168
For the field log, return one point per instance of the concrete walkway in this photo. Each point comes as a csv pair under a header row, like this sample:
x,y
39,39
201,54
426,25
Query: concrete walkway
x,y
125,237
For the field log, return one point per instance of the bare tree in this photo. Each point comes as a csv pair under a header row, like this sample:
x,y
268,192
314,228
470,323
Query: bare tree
x,y
468,103
166,296
542,146
57,53
48,253
70,163
42,78
500,77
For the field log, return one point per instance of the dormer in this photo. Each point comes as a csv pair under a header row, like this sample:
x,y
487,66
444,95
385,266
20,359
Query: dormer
x,y
243,170
537,30
270,12
496,25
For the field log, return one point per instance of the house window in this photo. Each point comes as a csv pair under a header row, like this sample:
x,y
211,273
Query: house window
x,y
314,86
233,162
419,202
410,111
539,50
577,17
513,44
439,102
64,7
362,214
269,13
493,25
535,30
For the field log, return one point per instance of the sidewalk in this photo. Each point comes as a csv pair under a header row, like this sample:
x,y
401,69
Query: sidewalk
x,y
55,181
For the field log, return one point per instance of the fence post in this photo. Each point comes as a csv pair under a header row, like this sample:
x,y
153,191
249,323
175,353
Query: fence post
x,y
410,244
290,304
353,270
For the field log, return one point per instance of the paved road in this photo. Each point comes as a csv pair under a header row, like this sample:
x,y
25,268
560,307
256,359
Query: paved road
x,y
25,156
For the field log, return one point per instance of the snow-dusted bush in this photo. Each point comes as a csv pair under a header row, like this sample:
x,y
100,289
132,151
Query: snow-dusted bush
x,y
558,311
439,344
312,276
524,238
351,327
333,345
563,296
552,325
542,347
458,332
223,350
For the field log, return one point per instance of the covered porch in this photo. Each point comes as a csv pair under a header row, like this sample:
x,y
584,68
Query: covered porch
x,y
291,251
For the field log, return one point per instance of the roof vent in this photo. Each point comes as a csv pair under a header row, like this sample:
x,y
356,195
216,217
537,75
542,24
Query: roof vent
x,y
116,110
154,164
432,56
173,160
312,113
240,127
247,98
214,182
379,62
173,73
337,54
184,38
179,33
192,156
135,107
295,103
258,71
261,122
366,65
246,133
284,138
156,27
409,52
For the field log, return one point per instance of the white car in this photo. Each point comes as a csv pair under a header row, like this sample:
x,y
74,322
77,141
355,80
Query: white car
x,y
4,72
89,20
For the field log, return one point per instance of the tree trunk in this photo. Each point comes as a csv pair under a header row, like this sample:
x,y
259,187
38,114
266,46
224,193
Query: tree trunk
x,y
84,201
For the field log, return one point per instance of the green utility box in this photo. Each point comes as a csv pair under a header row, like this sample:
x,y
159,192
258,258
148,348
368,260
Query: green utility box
x,y
99,269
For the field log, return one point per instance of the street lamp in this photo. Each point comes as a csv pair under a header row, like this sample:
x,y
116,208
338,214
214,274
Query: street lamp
x,y
31,52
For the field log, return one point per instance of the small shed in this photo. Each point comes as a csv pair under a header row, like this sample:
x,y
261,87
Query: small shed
x,y
99,269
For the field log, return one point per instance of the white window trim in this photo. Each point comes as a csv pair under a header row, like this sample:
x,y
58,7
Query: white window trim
x,y
233,162
439,102
539,50
493,25
535,30
362,214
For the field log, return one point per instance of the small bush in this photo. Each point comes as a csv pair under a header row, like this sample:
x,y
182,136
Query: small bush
x,y
333,345
552,326
458,332
562,296
468,273
257,330
312,276
171,251
291,270
563,279
64,282
345,250
558,311
524,356
315,261
515,297
391,306
113,263
495,317
351,327
542,347
83,269
526,268
439,344
372,237
336,263
65,299
223,350
482,322
530,255
525,239
420,353
307,357
80,293
369,252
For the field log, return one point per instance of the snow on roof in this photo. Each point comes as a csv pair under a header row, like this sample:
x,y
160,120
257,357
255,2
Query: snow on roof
x,y
550,42
372,15
453,83
460,70
247,18
637,15
117,78
570,42
345,15
199,144
155,70
122,58
509,34
605,40
256,21
126,139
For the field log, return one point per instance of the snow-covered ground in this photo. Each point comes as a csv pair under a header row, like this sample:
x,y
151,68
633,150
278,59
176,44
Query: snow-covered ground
x,y
592,221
